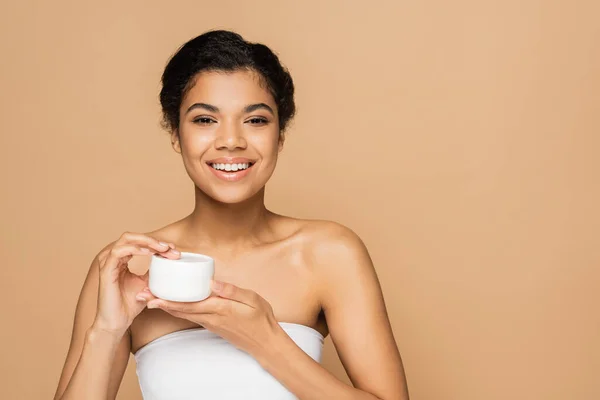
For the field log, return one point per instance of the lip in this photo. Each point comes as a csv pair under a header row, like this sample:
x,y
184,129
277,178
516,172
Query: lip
x,y
231,160
230,176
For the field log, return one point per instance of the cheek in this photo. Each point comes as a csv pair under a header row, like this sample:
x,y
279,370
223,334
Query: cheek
x,y
267,144
269,152
194,145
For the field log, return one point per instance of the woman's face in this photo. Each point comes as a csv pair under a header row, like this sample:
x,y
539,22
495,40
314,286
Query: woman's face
x,y
228,135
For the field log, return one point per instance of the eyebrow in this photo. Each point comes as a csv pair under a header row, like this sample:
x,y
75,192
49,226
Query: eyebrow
x,y
248,109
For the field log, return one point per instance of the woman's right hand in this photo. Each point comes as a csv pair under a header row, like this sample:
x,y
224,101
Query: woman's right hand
x,y
118,301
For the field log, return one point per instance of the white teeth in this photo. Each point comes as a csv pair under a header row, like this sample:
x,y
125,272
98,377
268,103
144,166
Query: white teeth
x,y
230,167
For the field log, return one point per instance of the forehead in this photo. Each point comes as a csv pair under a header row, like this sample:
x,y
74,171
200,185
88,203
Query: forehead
x,y
228,90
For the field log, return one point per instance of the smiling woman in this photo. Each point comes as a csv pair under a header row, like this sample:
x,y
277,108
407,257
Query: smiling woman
x,y
238,128
281,284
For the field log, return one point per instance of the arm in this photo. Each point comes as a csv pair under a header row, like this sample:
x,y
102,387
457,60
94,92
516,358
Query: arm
x,y
359,326
96,360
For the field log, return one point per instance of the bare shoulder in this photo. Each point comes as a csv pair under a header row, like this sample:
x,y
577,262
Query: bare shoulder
x,y
336,255
331,241
340,261
351,298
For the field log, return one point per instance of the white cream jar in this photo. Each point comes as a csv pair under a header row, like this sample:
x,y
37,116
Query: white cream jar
x,y
185,279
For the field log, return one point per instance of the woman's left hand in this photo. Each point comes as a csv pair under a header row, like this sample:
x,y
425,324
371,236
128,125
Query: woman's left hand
x,y
238,315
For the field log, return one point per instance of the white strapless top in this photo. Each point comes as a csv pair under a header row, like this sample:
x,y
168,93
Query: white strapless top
x,y
199,364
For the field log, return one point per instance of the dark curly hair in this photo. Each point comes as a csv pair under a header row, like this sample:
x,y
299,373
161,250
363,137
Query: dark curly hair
x,y
221,50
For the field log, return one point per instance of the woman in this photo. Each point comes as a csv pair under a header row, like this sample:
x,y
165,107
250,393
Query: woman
x,y
281,284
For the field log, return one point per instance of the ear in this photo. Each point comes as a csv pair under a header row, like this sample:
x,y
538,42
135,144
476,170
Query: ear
x,y
281,141
175,141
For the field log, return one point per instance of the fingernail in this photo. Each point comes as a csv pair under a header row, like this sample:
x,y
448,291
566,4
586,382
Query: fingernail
x,y
171,245
152,305
175,251
147,289
144,250
217,286
140,298
163,244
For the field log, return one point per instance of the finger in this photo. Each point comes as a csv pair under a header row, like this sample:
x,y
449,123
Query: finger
x,y
208,321
236,293
145,295
211,305
146,241
172,254
119,255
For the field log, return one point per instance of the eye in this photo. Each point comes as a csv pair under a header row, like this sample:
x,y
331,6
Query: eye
x,y
203,120
258,121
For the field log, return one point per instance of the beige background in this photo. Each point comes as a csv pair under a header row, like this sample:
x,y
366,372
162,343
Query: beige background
x,y
459,139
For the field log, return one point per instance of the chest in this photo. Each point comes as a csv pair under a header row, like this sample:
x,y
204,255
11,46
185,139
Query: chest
x,y
286,281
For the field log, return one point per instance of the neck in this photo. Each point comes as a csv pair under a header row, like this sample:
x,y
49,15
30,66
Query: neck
x,y
227,225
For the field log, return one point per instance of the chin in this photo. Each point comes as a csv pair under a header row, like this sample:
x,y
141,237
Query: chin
x,y
230,195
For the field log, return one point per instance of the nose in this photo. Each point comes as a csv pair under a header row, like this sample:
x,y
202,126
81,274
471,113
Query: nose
x,y
230,138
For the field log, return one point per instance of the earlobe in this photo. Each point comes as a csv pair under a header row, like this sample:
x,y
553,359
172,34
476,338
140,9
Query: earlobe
x,y
175,143
281,141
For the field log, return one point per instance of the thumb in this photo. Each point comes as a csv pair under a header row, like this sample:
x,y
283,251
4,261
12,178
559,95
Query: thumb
x,y
233,292
145,296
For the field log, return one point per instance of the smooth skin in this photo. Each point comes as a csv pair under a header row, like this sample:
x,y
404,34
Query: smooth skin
x,y
269,268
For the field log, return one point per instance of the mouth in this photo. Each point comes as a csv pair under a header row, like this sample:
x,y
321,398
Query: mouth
x,y
231,169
